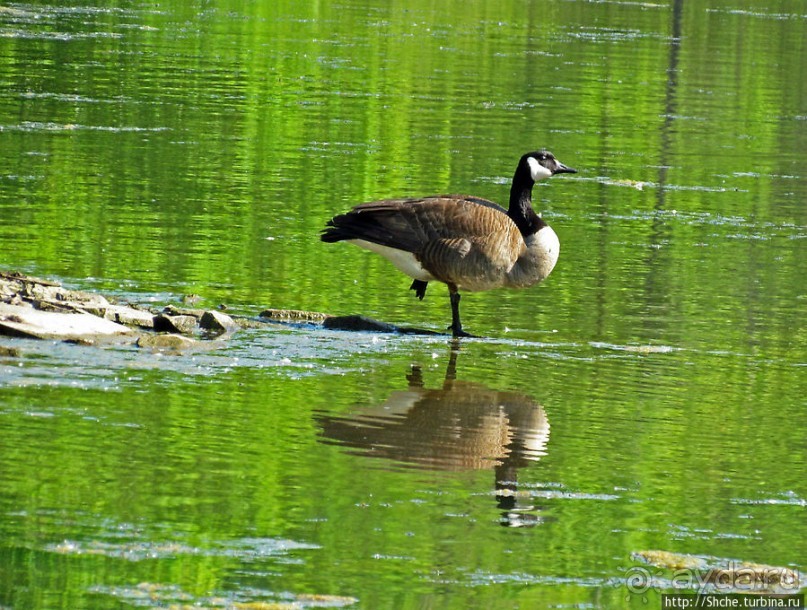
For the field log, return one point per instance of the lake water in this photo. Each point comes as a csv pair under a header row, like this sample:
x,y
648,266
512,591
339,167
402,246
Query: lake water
x,y
650,395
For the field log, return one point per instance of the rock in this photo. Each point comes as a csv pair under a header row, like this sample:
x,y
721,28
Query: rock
x,y
25,321
217,322
173,310
756,573
172,342
725,572
9,352
45,294
358,323
246,322
85,317
365,324
174,324
10,278
130,316
349,323
671,561
294,315
40,308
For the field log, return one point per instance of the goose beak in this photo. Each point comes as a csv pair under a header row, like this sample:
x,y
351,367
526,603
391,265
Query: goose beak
x,y
563,169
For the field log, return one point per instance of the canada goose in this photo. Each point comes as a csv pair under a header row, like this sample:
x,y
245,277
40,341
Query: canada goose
x,y
468,243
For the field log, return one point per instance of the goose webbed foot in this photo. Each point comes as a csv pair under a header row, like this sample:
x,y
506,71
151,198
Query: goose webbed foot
x,y
419,286
458,333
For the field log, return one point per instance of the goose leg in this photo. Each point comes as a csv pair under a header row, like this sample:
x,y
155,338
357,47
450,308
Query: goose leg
x,y
456,325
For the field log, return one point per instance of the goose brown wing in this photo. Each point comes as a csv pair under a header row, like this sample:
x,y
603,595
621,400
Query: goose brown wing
x,y
411,224
479,251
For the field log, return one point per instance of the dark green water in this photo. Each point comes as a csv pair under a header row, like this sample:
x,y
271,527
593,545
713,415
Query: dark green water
x,y
649,395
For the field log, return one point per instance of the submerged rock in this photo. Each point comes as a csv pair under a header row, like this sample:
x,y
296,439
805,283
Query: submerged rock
x,y
354,323
10,352
727,574
358,323
670,561
294,316
171,341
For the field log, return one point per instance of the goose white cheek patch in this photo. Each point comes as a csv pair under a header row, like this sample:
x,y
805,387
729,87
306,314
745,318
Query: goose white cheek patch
x,y
538,171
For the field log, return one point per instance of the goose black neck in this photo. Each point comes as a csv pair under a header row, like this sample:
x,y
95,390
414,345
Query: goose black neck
x,y
521,212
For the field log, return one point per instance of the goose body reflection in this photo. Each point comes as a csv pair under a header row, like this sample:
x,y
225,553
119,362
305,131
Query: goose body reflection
x,y
459,426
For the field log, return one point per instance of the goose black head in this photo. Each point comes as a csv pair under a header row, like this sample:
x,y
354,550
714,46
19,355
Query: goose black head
x,y
543,164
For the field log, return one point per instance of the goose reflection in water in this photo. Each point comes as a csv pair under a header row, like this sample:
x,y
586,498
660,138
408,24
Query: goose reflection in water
x,y
460,426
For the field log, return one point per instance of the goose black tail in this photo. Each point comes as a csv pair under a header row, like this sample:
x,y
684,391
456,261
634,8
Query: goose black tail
x,y
332,234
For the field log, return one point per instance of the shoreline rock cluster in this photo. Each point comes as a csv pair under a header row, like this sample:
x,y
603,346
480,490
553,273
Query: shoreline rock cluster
x,y
37,308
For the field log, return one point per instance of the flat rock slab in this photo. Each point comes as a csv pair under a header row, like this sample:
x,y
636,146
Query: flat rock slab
x,y
25,321
129,316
